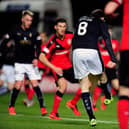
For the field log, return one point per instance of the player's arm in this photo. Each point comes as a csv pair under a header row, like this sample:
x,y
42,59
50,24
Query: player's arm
x,y
106,37
6,38
43,58
37,41
111,7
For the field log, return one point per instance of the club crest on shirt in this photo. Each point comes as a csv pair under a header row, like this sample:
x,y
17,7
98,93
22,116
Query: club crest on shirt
x,y
69,41
18,33
30,34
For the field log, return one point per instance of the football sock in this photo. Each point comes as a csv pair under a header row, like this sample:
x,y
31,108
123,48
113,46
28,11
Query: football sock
x,y
14,95
76,97
31,94
123,112
87,104
57,100
39,96
106,91
27,88
29,91
96,94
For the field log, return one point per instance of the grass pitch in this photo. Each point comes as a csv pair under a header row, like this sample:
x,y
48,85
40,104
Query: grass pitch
x,y
30,118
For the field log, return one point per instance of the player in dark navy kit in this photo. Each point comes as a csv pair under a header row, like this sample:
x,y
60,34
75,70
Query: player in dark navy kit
x,y
87,62
27,39
58,47
111,74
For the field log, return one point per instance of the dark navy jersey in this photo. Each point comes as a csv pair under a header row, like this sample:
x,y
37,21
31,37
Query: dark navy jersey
x,y
87,32
8,53
27,43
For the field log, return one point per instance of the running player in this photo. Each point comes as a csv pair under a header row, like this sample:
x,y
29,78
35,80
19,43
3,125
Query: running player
x,y
110,73
58,47
86,57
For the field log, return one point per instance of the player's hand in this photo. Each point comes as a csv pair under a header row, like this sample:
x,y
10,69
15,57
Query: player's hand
x,y
111,64
58,71
112,16
35,62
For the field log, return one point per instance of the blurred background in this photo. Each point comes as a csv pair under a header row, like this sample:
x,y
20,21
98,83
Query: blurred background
x,y
46,11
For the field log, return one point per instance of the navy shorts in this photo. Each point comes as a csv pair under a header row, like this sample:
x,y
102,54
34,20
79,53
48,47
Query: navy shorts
x,y
68,74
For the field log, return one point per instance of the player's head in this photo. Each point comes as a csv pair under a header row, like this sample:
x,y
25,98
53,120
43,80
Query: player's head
x,y
27,18
98,13
60,26
43,36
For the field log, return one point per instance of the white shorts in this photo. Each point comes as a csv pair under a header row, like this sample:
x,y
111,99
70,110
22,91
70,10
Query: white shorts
x,y
31,71
8,74
85,62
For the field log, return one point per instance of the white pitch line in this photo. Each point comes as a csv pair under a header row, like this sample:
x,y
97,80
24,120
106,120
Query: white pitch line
x,y
70,119
98,121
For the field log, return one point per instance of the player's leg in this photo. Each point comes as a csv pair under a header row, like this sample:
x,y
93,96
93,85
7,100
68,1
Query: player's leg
x,y
10,79
10,86
123,102
34,75
96,94
123,107
72,104
3,81
39,95
19,76
85,85
62,85
29,92
103,83
14,95
115,86
3,84
113,79
82,68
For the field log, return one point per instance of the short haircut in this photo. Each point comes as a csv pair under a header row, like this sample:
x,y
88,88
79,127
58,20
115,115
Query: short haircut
x,y
98,13
62,20
27,12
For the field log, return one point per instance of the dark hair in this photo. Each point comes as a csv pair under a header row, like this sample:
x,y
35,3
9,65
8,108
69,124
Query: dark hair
x,y
27,12
60,20
98,13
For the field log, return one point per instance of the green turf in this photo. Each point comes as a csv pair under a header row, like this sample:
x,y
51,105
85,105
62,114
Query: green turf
x,y
30,118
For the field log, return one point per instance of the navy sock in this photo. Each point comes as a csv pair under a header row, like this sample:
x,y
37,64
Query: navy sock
x,y
39,96
14,96
106,91
87,103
